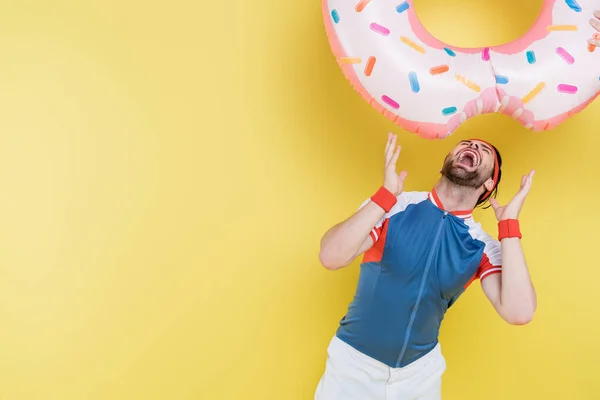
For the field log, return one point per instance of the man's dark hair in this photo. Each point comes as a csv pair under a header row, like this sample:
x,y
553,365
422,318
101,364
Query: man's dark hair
x,y
494,192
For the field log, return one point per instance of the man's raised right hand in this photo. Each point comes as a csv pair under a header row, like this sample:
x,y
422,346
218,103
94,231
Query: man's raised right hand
x,y
393,181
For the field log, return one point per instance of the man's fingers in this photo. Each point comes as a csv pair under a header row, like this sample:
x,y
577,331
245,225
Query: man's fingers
x,y
396,155
526,180
521,194
524,190
529,179
389,151
597,13
387,145
494,203
595,23
402,176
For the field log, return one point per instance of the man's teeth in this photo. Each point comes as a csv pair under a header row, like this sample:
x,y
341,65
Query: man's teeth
x,y
473,155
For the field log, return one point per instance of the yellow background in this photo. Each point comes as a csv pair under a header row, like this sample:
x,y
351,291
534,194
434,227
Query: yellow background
x,y
168,168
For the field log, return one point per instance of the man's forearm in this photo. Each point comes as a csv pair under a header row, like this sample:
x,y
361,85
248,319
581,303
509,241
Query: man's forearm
x,y
518,298
342,242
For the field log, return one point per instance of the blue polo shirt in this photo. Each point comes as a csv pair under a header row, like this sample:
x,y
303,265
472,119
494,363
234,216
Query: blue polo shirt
x,y
423,258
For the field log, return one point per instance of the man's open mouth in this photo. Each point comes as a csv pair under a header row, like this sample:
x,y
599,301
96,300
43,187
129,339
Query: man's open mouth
x,y
469,159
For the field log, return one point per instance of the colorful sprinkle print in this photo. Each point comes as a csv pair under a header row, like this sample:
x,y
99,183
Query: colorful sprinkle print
x,y
370,65
412,44
564,88
449,110
536,90
390,102
361,5
485,54
402,7
501,79
414,82
553,28
468,83
335,16
440,69
565,55
382,30
449,52
350,60
573,5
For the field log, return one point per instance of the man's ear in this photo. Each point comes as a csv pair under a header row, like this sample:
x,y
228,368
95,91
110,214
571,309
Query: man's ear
x,y
489,184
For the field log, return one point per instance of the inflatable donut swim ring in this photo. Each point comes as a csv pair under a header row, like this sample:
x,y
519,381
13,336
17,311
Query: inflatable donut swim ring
x,y
430,88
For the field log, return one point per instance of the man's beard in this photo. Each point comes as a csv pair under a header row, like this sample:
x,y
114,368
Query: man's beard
x,y
461,177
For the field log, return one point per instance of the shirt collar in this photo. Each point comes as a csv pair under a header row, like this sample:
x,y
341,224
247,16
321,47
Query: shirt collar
x,y
433,197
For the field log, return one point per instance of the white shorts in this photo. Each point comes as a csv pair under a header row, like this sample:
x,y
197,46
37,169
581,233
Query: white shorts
x,y
352,375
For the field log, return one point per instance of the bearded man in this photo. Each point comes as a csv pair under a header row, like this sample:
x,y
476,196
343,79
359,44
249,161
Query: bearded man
x,y
421,250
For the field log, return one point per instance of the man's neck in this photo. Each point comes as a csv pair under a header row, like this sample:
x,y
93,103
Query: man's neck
x,y
455,198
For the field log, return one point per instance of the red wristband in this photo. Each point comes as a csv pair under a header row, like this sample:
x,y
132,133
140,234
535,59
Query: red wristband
x,y
509,228
384,199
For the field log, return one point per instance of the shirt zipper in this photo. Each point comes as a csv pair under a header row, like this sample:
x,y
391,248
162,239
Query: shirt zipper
x,y
423,280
